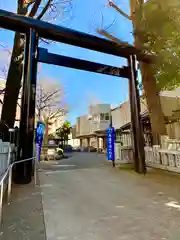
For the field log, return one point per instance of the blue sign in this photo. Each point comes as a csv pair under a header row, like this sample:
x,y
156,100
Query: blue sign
x,y
110,144
40,129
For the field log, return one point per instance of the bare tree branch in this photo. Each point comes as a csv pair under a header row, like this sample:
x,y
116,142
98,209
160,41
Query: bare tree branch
x,y
44,10
4,71
51,95
34,8
45,41
61,110
4,59
112,38
133,6
23,6
108,27
113,5
28,4
6,48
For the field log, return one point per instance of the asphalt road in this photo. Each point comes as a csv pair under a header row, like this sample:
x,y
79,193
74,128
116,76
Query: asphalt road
x,y
84,198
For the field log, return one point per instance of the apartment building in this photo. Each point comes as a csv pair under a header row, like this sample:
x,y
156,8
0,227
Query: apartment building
x,y
56,121
91,128
100,117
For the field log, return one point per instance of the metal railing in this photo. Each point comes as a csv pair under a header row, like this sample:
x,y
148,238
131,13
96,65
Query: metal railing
x,y
8,174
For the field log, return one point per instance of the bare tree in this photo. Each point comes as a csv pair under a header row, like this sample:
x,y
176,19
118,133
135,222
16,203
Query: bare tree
x,y
49,10
49,98
49,102
5,54
148,79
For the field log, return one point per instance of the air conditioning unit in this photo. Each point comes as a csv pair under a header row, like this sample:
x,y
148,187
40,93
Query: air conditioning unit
x,y
89,117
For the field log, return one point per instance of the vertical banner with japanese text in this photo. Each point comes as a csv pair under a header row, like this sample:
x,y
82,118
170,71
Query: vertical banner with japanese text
x,y
39,138
110,134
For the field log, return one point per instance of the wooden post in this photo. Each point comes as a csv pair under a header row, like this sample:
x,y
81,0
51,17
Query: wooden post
x,y
137,134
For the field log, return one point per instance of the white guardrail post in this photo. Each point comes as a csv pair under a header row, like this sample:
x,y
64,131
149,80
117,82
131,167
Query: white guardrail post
x,y
8,173
9,190
1,201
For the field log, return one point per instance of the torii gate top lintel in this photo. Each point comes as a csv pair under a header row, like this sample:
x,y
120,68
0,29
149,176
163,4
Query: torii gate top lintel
x,y
16,22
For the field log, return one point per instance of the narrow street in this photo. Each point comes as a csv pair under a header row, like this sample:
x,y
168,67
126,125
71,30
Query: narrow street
x,y
84,198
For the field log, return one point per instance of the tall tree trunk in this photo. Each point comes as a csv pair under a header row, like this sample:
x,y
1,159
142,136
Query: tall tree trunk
x,y
46,132
13,84
148,78
151,92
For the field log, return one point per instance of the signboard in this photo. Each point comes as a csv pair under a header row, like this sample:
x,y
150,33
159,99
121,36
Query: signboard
x,y
51,152
110,143
51,142
40,129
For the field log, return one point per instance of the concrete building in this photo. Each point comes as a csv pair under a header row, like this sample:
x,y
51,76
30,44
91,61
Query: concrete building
x,y
73,141
91,128
121,116
100,117
121,119
56,121
170,102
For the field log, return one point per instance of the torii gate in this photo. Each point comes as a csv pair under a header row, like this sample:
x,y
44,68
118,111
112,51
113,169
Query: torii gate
x,y
33,30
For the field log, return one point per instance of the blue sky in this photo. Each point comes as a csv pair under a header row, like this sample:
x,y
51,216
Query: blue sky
x,y
83,88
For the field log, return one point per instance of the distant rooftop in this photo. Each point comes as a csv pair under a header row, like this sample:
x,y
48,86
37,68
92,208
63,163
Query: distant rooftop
x,y
173,93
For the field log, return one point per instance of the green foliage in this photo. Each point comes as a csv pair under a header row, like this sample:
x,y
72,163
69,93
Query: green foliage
x,y
158,29
64,131
67,126
59,151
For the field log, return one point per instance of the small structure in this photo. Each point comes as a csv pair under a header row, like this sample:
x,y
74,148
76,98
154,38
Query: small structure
x,y
72,139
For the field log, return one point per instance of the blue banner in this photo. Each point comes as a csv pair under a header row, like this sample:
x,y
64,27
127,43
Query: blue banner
x,y
40,129
110,144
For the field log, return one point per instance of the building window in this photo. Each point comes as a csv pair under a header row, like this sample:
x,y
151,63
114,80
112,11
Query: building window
x,y
107,116
104,116
101,116
118,135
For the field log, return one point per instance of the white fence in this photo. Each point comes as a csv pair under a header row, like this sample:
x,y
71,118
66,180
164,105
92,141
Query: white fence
x,y
123,153
6,156
166,159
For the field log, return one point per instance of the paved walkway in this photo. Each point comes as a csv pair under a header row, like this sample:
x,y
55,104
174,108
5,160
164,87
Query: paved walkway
x,y
83,198
24,218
